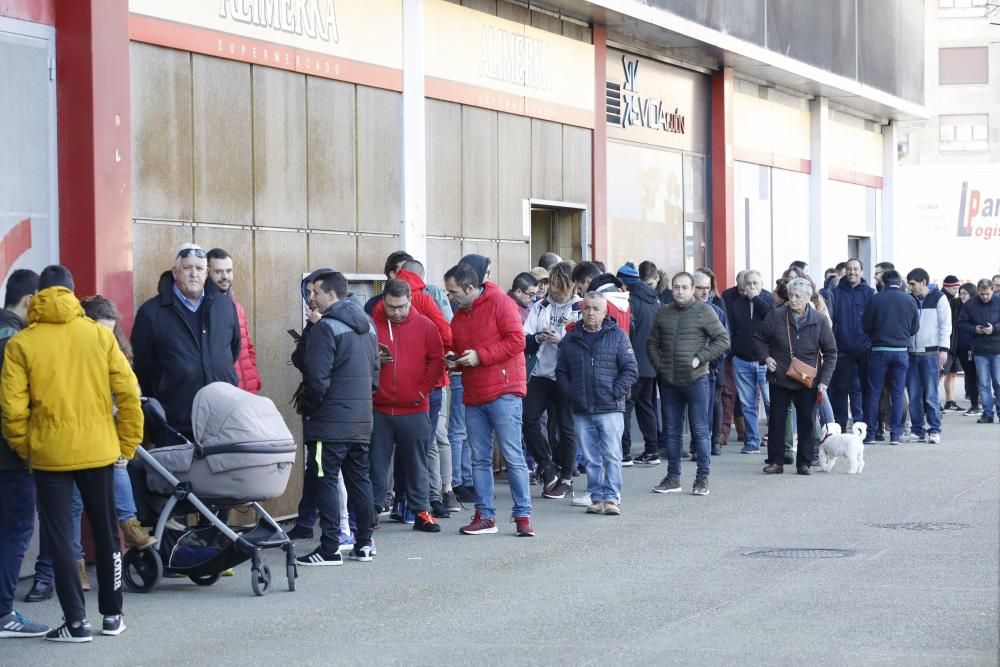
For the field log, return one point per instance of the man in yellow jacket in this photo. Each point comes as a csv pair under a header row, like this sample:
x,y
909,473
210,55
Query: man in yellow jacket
x,y
59,377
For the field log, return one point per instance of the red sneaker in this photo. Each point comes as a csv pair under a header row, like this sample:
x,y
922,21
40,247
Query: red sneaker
x,y
524,528
479,526
423,521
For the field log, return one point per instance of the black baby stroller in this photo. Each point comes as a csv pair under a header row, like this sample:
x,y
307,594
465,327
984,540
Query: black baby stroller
x,y
243,453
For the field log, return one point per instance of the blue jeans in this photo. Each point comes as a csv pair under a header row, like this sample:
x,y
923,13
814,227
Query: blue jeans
x,y
988,374
751,376
502,416
461,453
825,410
922,386
17,521
882,365
600,437
695,398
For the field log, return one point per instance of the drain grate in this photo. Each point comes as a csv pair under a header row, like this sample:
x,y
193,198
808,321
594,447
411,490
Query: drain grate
x,y
796,553
923,525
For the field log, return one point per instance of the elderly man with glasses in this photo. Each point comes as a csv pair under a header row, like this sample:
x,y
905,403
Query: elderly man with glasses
x,y
185,337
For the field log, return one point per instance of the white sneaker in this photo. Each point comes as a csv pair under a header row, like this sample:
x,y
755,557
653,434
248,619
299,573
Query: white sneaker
x,y
582,500
910,437
934,438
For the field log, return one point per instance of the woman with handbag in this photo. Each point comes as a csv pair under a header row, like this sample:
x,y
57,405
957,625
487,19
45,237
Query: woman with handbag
x,y
797,345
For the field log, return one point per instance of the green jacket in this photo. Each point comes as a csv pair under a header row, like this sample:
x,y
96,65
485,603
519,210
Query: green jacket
x,y
681,333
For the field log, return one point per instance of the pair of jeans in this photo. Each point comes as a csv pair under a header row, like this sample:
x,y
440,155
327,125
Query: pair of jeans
x,y
328,459
461,453
922,379
54,491
600,439
851,366
804,402
406,436
892,366
673,400
502,416
433,456
751,376
440,430
715,408
988,374
545,396
824,410
641,401
17,522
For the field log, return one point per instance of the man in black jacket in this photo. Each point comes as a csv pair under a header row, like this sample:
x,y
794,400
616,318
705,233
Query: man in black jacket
x,y
596,365
340,372
746,314
184,338
644,303
890,319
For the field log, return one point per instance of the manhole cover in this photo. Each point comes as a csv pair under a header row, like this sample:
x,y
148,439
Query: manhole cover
x,y
923,525
784,552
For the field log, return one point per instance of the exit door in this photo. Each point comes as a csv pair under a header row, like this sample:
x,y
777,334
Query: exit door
x,y
559,228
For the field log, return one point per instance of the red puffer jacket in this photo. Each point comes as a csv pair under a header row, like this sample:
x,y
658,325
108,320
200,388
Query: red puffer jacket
x,y
406,382
492,327
424,304
246,365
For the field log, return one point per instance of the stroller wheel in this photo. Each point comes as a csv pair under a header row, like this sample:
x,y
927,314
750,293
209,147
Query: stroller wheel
x,y
142,570
206,579
260,579
291,573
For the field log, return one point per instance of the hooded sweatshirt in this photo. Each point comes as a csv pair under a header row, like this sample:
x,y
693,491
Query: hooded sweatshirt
x,y
406,382
56,389
547,315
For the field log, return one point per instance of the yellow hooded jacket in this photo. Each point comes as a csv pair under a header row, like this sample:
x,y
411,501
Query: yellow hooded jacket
x,y
56,389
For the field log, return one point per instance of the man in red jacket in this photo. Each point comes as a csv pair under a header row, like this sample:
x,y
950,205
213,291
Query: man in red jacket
x,y
412,363
220,272
489,340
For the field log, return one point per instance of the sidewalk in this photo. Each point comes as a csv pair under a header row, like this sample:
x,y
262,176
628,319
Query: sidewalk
x,y
661,584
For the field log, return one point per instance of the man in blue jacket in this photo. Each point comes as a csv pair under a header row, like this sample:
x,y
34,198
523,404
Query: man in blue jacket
x,y
846,302
596,364
980,320
890,320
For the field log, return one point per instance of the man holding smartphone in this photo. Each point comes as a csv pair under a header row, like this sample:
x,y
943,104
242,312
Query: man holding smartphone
x,y
980,318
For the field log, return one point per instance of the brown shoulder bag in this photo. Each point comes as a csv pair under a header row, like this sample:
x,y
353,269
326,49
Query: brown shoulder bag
x,y
798,370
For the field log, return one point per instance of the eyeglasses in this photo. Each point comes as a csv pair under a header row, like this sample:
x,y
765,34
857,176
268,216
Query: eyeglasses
x,y
187,252
400,307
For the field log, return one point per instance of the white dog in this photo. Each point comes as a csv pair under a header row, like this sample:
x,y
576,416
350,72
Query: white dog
x,y
850,446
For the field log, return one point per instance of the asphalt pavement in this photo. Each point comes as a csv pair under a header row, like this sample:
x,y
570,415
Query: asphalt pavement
x,y
896,566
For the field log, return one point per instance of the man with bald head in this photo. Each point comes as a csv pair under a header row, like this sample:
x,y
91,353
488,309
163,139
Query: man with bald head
x,y
746,314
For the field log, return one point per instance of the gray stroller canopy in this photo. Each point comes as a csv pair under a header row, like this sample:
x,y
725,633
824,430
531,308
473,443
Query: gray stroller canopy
x,y
226,415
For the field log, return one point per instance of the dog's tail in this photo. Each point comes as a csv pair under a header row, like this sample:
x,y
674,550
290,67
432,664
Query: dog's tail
x,y
860,429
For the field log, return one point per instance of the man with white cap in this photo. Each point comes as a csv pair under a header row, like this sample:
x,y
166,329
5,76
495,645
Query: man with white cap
x,y
185,337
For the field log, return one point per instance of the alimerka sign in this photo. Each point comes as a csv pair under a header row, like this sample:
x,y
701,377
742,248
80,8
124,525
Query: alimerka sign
x,y
316,19
977,216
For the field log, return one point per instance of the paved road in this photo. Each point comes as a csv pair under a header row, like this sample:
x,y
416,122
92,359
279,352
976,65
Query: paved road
x,y
658,585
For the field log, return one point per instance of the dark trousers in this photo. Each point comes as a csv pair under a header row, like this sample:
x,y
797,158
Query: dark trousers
x,y
307,504
804,401
971,379
407,436
17,521
642,401
328,458
54,491
544,395
715,383
851,369
729,402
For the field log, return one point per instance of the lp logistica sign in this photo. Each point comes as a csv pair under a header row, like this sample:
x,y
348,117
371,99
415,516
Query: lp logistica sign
x,y
978,217
627,107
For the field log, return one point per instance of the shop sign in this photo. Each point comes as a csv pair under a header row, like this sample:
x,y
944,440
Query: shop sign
x,y
978,217
650,102
316,19
478,59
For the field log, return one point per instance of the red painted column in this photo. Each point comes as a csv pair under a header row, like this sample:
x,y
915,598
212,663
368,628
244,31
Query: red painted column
x,y
723,189
599,165
95,158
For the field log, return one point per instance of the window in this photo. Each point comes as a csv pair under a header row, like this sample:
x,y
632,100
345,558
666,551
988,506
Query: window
x,y
963,65
958,9
963,133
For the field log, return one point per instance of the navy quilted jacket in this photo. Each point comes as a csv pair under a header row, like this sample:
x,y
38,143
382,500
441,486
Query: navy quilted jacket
x,y
597,380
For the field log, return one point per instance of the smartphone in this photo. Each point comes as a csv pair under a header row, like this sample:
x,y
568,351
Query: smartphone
x,y
384,349
296,336
451,357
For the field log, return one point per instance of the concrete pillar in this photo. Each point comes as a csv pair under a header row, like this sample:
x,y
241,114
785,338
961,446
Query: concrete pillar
x,y
723,258
883,246
820,232
599,138
413,228
95,155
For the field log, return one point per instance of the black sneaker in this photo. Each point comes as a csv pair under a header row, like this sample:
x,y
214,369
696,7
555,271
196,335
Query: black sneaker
x,y
300,533
668,485
985,419
649,459
73,635
451,502
700,487
627,461
424,522
952,406
16,624
439,510
716,449
549,478
363,554
318,558
113,625
465,494
558,491
973,411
